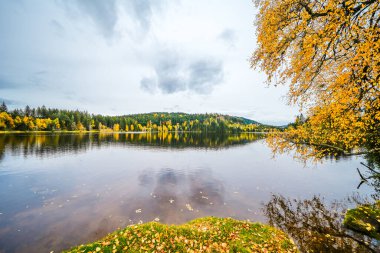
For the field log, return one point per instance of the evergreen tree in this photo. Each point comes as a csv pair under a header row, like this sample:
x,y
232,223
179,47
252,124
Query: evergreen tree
x,y
28,111
3,107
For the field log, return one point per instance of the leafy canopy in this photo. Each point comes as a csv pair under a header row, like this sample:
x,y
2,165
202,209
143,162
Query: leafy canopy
x,y
328,52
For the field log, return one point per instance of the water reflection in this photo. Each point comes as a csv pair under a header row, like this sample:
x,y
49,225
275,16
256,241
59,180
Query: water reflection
x,y
316,226
87,185
370,173
175,196
47,144
56,221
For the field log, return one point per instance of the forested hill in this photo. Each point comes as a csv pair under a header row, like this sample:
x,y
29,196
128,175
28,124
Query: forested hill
x,y
43,118
192,116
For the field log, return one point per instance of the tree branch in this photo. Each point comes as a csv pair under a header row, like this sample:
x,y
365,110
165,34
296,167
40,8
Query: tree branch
x,y
324,145
310,11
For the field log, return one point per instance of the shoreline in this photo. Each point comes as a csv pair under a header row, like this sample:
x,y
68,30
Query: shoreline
x,y
119,132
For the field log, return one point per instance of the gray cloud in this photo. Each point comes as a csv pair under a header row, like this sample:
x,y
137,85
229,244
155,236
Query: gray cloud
x,y
204,75
105,14
228,36
102,13
142,11
149,85
174,75
170,74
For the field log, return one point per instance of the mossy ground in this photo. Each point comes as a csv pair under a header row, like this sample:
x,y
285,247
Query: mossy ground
x,y
208,234
364,219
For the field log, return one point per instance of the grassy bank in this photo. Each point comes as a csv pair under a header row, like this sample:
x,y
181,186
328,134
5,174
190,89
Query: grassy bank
x,y
364,219
208,234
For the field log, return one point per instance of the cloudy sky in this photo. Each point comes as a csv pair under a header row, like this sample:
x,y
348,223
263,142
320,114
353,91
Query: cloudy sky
x,y
119,57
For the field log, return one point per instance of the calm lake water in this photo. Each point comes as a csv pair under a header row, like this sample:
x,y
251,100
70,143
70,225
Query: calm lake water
x,y
60,190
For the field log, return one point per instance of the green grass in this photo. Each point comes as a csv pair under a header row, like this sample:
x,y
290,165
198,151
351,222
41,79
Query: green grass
x,y
364,219
208,234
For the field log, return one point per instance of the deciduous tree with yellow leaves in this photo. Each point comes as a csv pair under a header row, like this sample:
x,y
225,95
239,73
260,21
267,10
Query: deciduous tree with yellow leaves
x,y
328,52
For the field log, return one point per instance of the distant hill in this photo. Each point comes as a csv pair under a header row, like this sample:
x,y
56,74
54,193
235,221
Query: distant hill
x,y
199,116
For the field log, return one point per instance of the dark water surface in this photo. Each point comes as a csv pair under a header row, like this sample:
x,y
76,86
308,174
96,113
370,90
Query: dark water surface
x,y
60,190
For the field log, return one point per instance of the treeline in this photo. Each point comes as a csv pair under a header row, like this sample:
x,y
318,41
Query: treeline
x,y
47,119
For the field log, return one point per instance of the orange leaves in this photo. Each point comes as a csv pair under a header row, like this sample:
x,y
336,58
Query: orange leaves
x,y
329,53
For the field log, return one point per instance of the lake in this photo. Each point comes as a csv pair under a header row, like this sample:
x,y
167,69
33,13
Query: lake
x,y
60,190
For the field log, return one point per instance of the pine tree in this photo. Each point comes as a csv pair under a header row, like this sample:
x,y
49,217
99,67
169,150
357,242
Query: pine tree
x,y
3,107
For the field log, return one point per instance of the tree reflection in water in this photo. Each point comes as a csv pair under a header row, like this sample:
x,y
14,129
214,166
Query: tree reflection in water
x,y
371,173
47,144
316,227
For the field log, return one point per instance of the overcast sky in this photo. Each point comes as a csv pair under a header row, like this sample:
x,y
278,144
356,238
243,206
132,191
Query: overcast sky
x,y
120,57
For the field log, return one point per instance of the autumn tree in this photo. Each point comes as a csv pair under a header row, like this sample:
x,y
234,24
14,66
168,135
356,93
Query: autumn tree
x,y
116,127
328,52
56,124
6,121
92,125
17,122
41,124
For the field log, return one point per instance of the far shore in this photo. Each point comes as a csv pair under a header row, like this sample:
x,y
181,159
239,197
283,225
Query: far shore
x,y
116,132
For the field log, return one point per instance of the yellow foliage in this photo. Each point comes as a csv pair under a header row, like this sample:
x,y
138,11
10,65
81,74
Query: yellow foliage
x,y
328,52
6,121
17,121
41,124
28,121
56,124
80,127
116,127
